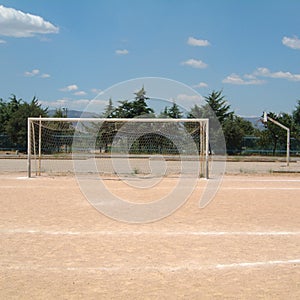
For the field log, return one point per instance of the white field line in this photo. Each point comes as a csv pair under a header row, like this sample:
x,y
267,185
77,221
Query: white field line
x,y
25,178
45,187
150,233
261,188
225,178
161,188
258,263
179,268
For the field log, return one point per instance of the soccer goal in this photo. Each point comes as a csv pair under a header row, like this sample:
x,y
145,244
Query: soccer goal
x,y
136,147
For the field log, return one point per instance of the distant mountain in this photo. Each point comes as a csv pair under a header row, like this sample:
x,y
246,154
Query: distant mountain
x,y
76,114
256,121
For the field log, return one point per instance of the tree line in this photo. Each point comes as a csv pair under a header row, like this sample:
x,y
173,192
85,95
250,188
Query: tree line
x,y
240,135
13,120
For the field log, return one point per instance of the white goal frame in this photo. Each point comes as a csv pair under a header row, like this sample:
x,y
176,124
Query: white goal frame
x,y
267,118
204,138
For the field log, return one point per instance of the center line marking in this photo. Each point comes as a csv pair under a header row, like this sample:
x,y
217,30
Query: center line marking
x,y
162,233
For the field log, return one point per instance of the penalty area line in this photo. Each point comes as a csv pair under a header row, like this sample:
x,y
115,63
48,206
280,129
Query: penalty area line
x,y
179,268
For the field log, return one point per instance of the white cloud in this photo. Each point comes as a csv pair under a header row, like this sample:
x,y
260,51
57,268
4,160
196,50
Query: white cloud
x,y
55,104
189,98
80,93
249,76
198,64
197,42
32,73
81,101
96,91
15,23
36,72
122,52
45,75
99,102
245,80
252,79
2,42
265,72
293,43
69,88
200,85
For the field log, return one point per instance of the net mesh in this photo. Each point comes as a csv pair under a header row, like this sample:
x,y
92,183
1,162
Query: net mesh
x,y
56,144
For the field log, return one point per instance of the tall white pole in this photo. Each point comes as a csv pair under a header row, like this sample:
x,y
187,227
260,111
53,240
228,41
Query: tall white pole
x,y
288,147
207,150
28,148
40,145
266,117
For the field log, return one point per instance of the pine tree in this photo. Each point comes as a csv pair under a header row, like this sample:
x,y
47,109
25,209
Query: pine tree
x,y
172,112
108,109
133,109
217,103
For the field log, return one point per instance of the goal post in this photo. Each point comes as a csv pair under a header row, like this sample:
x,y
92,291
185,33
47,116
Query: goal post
x,y
267,118
146,144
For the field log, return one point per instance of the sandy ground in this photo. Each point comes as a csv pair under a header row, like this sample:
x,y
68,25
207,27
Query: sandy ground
x,y
244,245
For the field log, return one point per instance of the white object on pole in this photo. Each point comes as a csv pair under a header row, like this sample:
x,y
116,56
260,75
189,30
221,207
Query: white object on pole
x,y
265,119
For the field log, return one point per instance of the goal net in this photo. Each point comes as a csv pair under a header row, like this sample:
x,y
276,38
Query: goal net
x,y
136,147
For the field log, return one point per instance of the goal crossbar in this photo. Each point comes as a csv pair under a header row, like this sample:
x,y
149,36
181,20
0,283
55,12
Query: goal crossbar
x,y
136,120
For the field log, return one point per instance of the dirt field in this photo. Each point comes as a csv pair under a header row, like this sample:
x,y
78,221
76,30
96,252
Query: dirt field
x,y
244,245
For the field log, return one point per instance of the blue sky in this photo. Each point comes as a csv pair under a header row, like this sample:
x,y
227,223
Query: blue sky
x,y
65,52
